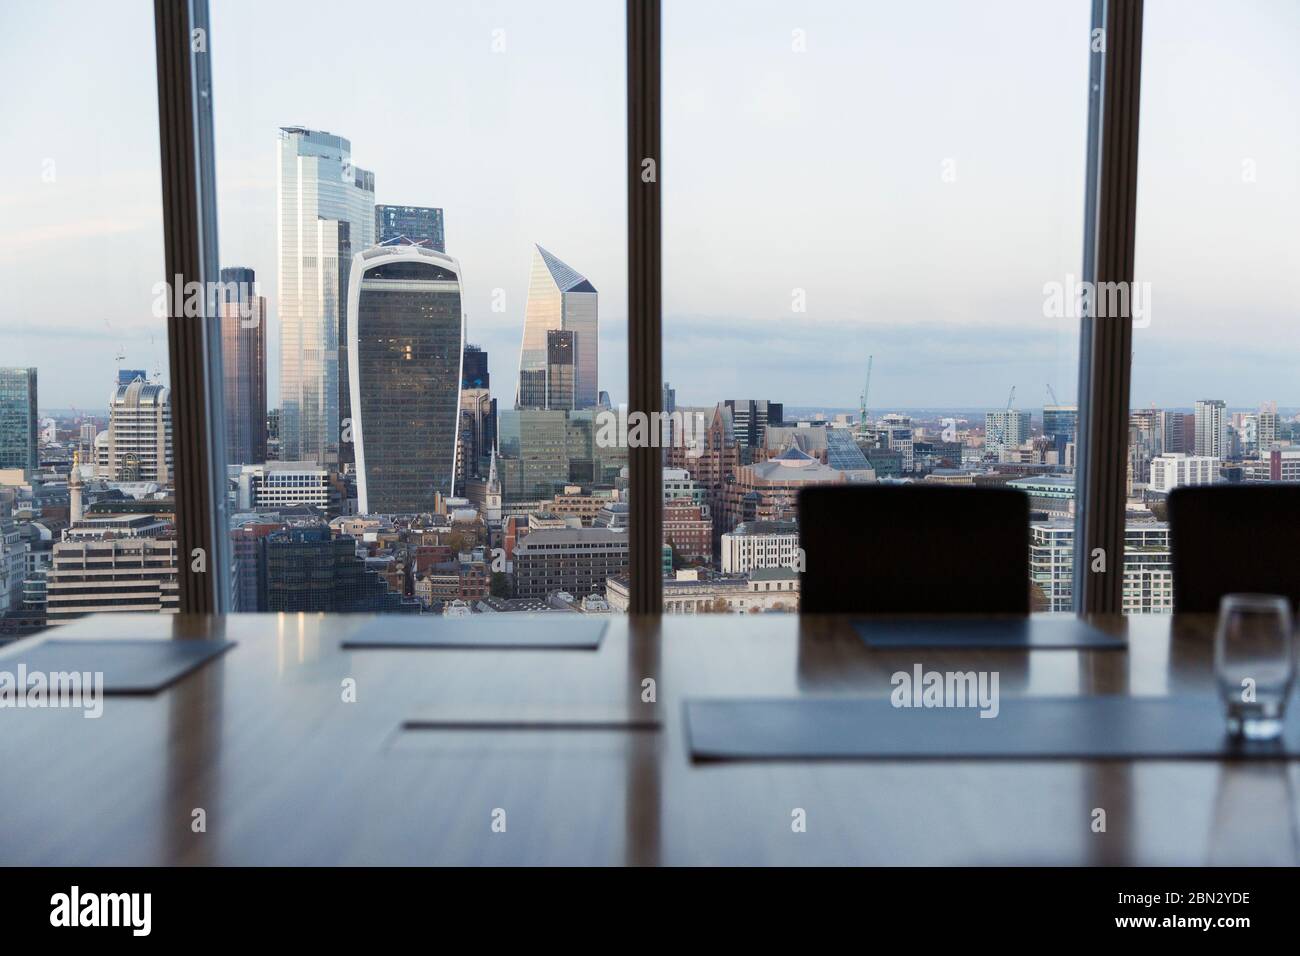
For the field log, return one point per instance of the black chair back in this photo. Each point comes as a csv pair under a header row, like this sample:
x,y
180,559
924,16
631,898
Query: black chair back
x,y
914,549
1227,539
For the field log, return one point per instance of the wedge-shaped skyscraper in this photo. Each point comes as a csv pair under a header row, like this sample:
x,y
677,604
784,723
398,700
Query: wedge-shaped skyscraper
x,y
404,364
560,299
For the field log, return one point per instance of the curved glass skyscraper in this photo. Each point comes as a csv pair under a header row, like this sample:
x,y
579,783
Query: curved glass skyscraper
x,y
404,363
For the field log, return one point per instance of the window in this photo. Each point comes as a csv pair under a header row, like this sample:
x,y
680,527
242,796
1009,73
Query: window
x,y
464,161
1218,198
87,518
869,257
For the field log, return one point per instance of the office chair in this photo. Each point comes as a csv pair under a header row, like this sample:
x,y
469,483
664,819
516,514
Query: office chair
x,y
914,549
1233,538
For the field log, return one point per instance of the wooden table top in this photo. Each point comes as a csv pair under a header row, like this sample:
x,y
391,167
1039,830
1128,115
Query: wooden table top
x,y
286,772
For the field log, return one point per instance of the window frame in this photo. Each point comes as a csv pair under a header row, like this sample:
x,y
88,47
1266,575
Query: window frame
x,y
194,345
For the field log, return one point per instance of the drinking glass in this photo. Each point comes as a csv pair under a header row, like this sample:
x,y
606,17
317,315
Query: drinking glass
x,y
1254,662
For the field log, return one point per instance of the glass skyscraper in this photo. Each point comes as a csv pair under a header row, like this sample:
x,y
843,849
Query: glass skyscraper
x,y
19,424
404,355
325,209
422,225
243,355
559,298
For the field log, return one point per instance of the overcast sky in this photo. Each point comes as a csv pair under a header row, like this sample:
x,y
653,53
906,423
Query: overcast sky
x,y
912,174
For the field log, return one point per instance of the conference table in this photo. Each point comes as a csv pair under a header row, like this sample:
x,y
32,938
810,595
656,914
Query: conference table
x,y
292,749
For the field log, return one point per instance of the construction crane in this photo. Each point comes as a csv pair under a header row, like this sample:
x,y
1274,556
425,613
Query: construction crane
x,y
866,388
1052,395
1011,398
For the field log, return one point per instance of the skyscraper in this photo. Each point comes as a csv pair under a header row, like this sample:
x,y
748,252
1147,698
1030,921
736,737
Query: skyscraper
x,y
19,424
243,353
474,368
1060,423
478,415
325,208
405,373
559,298
1005,429
138,445
1266,428
422,225
751,417
551,386
1210,428
1173,431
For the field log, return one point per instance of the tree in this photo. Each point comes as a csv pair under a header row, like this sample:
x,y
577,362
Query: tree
x,y
500,587
1038,598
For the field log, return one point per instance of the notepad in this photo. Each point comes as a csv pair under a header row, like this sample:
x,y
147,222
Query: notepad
x,y
985,633
1026,728
128,667
486,631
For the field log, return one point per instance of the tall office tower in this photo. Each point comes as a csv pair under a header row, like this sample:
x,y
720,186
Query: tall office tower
x,y
534,453
750,418
125,376
713,463
553,385
139,437
243,356
559,298
478,425
1211,428
1171,431
421,225
325,208
19,423
474,368
1005,430
86,440
668,406
1060,424
405,371
1145,441
478,416
1266,427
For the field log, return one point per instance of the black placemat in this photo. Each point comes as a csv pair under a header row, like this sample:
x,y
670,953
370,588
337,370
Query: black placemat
x,y
1025,728
1009,633
528,716
129,667
489,631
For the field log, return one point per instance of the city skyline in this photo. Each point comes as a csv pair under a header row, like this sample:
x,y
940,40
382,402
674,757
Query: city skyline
x,y
932,348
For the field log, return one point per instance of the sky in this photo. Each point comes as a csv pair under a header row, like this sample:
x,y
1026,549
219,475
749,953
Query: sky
x,y
839,179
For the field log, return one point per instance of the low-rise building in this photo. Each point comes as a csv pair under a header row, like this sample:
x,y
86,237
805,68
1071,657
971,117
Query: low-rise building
x,y
574,560
690,592
1172,469
760,544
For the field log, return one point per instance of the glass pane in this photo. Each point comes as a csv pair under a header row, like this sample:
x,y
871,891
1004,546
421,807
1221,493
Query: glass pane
x,y
872,218
86,502
428,264
1213,395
